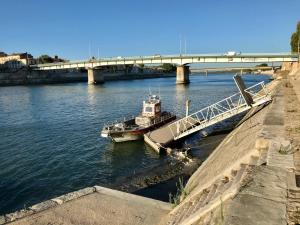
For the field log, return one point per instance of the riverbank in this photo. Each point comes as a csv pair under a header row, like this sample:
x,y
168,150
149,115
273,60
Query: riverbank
x,y
251,177
27,77
160,182
155,184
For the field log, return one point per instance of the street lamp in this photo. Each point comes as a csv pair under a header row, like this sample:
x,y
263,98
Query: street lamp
x,y
180,44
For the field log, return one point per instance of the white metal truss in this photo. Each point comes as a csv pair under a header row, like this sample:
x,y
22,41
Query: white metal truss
x,y
219,111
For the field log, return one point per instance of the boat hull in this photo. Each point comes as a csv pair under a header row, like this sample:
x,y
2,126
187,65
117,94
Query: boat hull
x,y
133,135
126,137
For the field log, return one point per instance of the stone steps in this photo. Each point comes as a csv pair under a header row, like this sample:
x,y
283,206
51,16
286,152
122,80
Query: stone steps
x,y
225,185
210,194
188,207
253,160
205,200
293,207
263,157
195,201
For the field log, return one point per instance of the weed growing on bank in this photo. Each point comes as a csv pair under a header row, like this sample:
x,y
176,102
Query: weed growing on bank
x,y
180,194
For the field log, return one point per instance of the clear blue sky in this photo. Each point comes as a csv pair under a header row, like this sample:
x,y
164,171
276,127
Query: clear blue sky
x,y
132,27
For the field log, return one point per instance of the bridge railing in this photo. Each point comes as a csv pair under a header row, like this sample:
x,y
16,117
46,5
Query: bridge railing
x,y
175,56
124,119
218,111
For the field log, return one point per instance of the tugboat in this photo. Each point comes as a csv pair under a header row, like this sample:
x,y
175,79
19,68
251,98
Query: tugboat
x,y
134,129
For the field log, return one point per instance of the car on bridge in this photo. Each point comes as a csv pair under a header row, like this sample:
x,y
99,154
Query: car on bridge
x,y
157,56
232,53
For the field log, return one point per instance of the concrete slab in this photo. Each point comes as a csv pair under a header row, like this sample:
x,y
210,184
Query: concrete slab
x,y
262,195
104,206
249,210
269,183
165,134
262,201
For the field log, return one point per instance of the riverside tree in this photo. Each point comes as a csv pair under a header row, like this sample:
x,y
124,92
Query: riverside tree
x,y
48,59
168,67
262,65
295,39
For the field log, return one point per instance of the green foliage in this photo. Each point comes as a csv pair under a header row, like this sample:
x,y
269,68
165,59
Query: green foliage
x,y
45,59
168,67
180,195
295,39
284,150
262,65
48,59
82,70
128,68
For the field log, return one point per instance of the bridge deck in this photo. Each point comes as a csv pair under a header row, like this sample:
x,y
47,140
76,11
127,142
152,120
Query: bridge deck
x,y
174,59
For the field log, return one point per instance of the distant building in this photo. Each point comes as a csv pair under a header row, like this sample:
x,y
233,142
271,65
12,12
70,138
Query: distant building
x,y
2,54
15,60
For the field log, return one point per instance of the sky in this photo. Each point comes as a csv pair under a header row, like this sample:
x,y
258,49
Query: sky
x,y
76,29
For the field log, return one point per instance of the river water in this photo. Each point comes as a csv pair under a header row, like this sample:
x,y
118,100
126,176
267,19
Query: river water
x,y
49,134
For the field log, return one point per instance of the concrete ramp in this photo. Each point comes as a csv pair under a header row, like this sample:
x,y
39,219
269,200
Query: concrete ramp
x,y
162,137
94,205
246,179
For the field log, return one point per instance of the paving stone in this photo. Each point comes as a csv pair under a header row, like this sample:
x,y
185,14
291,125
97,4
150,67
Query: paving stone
x,y
2,219
74,195
43,205
17,215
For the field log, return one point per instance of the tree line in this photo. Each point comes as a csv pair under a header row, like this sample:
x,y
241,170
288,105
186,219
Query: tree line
x,y
48,59
295,39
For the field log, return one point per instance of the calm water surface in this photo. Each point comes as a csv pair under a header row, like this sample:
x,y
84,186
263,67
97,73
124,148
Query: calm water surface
x,y
49,134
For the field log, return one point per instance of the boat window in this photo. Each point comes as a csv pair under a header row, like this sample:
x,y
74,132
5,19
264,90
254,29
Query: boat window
x,y
148,109
157,108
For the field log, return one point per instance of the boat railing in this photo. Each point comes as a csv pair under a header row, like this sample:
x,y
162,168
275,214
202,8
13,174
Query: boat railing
x,y
111,123
157,120
168,115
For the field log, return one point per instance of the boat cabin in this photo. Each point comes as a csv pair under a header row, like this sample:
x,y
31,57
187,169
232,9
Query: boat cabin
x,y
152,106
151,111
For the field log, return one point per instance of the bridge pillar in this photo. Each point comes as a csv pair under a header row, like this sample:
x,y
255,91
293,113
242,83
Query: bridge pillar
x,y
182,75
95,76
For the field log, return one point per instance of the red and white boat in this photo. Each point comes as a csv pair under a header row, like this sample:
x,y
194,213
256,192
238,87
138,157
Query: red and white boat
x,y
133,129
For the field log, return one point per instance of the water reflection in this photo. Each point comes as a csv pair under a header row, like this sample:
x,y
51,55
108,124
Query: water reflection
x,y
92,92
180,97
126,158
